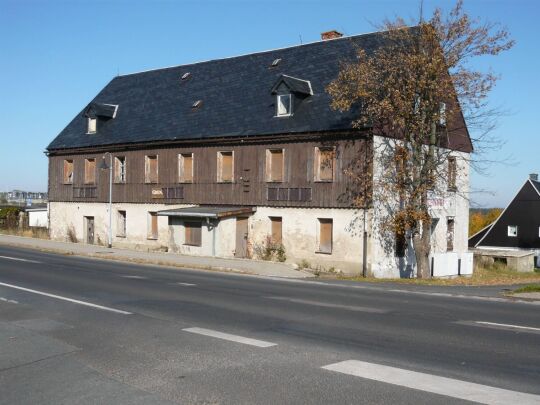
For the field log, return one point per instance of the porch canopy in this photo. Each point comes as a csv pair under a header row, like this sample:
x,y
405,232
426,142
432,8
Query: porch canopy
x,y
207,212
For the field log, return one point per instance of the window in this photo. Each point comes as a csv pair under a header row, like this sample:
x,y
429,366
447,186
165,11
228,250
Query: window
x,y
151,169
284,105
452,173
185,168
120,169
92,125
324,163
442,114
152,225
401,244
121,224
277,235
186,75
225,166
68,171
450,234
512,231
325,235
193,233
90,171
274,165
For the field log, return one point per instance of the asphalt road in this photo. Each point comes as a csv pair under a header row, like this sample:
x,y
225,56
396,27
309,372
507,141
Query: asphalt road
x,y
77,330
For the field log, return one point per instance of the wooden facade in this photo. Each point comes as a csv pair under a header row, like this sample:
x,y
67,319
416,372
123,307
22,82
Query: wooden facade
x,y
250,186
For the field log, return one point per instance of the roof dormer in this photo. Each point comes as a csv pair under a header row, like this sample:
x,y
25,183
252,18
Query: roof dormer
x,y
98,112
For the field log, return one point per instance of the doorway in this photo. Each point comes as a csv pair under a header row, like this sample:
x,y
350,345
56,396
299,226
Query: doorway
x,y
89,230
241,250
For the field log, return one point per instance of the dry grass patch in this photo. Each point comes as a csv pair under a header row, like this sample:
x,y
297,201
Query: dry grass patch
x,y
39,233
496,274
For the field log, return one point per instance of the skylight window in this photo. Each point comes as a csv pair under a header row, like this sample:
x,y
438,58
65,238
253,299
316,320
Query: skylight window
x,y
276,62
186,76
196,104
284,105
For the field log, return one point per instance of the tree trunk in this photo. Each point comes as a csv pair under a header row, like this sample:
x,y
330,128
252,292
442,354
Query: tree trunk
x,y
422,248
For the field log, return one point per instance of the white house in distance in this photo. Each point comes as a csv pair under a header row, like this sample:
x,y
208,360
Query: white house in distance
x,y
234,156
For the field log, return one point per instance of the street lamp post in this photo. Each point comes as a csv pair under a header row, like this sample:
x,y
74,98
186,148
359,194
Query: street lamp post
x,y
103,165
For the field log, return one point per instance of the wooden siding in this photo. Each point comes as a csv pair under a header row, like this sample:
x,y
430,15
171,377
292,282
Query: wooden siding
x,y
249,187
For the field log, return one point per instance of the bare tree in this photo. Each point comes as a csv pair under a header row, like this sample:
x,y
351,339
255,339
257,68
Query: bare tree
x,y
416,92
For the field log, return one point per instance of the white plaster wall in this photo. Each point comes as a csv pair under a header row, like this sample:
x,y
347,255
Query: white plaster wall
x,y
65,215
300,235
384,262
38,219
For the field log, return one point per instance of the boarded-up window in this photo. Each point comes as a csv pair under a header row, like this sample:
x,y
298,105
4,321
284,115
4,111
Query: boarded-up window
x,y
151,169
120,169
193,233
225,167
324,163
325,235
274,165
92,125
68,171
452,173
185,168
152,225
450,234
277,223
90,171
121,224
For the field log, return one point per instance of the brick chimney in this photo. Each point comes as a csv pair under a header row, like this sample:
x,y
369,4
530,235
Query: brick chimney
x,y
533,176
331,35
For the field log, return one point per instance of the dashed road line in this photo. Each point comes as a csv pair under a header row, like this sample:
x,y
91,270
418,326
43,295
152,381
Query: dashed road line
x,y
503,326
9,301
135,277
186,284
431,383
59,297
19,259
328,305
227,336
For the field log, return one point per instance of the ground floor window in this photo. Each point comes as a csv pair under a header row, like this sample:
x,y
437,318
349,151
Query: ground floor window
x,y
450,224
401,244
121,224
152,225
192,233
325,235
277,234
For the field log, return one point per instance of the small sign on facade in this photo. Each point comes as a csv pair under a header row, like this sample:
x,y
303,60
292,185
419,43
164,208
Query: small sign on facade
x,y
157,193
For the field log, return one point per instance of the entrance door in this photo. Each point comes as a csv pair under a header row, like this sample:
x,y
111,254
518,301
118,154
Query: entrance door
x,y
90,230
241,237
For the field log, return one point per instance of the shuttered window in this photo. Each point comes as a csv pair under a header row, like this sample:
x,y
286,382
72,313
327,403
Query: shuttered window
x,y
225,167
151,169
452,173
68,171
274,165
325,235
90,171
193,233
185,168
152,225
277,234
120,169
324,163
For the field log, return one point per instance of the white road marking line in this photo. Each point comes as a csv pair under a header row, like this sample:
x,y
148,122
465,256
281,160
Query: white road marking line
x,y
434,384
506,325
19,259
10,301
59,297
187,284
328,305
136,277
232,338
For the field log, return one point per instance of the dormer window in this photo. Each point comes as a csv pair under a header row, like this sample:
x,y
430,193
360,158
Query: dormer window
x,y
92,125
284,105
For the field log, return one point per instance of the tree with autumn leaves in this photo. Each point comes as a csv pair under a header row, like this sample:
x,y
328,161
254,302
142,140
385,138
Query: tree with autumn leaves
x,y
412,92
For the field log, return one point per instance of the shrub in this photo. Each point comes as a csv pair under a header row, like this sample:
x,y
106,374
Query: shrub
x,y
71,235
270,250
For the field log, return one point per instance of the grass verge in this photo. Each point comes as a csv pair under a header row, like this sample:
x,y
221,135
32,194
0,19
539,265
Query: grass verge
x,y
527,289
496,274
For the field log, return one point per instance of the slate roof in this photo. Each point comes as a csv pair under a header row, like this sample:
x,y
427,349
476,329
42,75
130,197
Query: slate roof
x,y
156,105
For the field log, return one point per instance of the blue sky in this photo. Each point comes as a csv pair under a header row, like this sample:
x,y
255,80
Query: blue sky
x,y
56,55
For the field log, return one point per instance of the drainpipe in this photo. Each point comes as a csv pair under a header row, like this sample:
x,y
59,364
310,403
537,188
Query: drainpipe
x,y
210,224
364,248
